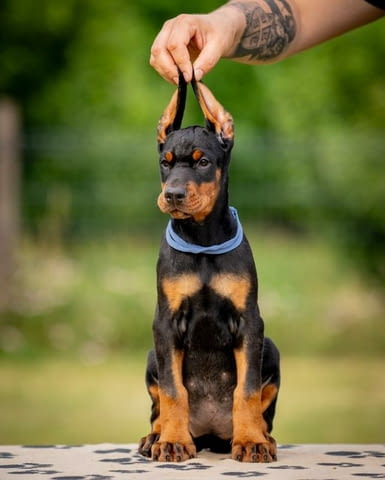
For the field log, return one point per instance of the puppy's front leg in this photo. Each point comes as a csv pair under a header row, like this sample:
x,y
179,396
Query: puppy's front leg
x,y
175,443
251,442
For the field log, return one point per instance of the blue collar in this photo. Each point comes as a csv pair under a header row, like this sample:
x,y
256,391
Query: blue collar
x,y
176,242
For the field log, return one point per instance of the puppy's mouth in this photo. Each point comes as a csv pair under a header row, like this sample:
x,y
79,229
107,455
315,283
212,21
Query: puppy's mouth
x,y
176,208
179,214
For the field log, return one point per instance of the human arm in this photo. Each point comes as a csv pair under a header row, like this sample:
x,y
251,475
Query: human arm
x,y
253,32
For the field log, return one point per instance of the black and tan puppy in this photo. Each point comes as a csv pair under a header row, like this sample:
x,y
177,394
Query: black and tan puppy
x,y
213,378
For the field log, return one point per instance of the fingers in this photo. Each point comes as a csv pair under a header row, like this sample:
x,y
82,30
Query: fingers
x,y
180,41
170,51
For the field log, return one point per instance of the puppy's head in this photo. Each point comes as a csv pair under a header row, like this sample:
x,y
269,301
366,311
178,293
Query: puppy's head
x,y
193,160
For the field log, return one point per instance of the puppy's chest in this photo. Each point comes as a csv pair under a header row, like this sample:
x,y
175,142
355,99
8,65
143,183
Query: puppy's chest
x,y
206,310
206,290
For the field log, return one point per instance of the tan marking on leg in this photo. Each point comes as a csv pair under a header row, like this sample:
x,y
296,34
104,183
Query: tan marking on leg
x,y
175,442
180,287
174,411
248,422
174,418
268,395
154,394
233,287
251,442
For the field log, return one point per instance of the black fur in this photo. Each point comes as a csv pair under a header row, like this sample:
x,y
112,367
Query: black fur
x,y
210,320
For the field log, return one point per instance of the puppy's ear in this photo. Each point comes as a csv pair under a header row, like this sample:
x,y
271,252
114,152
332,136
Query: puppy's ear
x,y
217,119
173,114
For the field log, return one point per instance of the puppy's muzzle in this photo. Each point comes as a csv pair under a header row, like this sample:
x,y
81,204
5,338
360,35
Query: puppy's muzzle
x,y
175,195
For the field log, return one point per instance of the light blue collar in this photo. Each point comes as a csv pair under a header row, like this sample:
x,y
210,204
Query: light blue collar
x,y
176,242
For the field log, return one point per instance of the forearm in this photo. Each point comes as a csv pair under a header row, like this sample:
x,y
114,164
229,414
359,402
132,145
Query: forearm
x,y
252,31
266,29
269,30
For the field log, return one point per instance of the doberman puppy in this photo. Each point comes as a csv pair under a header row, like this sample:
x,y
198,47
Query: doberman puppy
x,y
213,378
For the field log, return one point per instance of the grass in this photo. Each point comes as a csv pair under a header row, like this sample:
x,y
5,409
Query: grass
x,y
327,400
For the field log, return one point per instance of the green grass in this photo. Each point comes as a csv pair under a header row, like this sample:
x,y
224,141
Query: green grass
x,y
66,401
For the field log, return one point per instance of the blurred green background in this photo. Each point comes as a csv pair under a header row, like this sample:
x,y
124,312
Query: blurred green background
x,y
78,290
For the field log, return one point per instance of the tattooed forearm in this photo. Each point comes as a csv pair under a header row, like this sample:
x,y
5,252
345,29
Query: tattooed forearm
x,y
270,27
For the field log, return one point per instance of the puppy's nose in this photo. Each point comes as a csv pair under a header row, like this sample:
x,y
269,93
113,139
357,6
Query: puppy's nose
x,y
175,195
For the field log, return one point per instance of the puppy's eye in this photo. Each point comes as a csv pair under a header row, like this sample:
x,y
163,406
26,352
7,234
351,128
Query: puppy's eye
x,y
204,162
167,159
165,164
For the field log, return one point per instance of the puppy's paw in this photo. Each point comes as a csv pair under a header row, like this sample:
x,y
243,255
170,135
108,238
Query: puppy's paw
x,y
173,452
255,452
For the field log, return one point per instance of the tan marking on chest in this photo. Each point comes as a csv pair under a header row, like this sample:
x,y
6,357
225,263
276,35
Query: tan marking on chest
x,y
233,287
180,287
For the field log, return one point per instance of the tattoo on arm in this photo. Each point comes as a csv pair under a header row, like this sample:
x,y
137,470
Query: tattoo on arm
x,y
270,27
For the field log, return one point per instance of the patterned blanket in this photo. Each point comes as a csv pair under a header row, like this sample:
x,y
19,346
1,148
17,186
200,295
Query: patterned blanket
x,y
109,461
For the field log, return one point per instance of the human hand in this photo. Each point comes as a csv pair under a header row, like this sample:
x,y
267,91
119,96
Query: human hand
x,y
195,42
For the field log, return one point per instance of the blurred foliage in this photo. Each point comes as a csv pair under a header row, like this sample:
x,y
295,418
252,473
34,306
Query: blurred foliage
x,y
310,145
94,299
